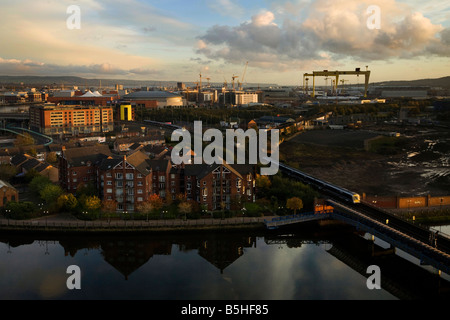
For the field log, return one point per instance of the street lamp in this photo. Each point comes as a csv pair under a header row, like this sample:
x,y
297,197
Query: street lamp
x,y
243,213
8,212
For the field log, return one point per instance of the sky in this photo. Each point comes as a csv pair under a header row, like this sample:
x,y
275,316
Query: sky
x,y
174,40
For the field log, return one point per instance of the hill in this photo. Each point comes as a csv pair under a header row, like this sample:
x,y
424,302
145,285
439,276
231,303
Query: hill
x,y
439,82
40,81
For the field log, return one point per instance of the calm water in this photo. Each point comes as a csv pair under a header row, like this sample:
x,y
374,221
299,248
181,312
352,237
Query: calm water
x,y
316,263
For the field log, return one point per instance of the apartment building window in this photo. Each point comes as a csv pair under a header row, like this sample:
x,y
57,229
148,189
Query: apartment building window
x,y
109,191
119,176
140,183
162,179
139,175
109,183
130,176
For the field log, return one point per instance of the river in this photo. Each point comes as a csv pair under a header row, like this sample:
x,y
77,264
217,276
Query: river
x,y
308,263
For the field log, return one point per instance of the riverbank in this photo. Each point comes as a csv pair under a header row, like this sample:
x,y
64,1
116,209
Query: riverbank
x,y
69,224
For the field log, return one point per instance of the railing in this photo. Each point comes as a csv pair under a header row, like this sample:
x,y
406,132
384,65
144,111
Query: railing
x,y
124,225
291,219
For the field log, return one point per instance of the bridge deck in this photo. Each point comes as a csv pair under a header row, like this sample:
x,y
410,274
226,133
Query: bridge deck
x,y
292,219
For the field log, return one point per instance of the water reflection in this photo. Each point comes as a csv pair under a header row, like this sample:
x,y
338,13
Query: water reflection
x,y
312,263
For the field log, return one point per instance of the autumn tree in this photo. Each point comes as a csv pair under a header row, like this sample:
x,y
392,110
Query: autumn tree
x,y
92,203
67,202
294,204
184,208
109,207
156,201
24,140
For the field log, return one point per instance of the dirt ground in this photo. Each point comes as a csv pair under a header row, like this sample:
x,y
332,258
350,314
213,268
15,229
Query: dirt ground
x,y
420,167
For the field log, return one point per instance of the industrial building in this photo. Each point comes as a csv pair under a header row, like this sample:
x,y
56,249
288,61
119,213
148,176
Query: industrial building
x,y
154,99
88,98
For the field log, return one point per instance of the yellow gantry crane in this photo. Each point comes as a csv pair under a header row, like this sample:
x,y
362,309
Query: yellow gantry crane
x,y
336,74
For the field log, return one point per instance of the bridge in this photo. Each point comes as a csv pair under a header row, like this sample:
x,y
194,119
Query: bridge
x,y
14,116
429,246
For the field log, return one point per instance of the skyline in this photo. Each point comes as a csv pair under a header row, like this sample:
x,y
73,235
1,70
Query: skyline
x,y
175,41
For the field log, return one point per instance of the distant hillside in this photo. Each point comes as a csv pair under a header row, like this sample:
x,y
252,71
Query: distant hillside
x,y
440,82
59,81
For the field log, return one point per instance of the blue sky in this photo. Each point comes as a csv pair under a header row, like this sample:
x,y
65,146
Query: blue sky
x,y
176,40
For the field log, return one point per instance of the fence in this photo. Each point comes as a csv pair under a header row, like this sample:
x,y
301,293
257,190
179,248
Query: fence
x,y
124,225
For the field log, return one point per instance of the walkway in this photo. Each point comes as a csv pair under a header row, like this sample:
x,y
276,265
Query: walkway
x,y
65,222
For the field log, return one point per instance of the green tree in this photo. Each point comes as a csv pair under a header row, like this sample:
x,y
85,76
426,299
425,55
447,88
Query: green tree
x,y
294,204
50,194
38,183
7,171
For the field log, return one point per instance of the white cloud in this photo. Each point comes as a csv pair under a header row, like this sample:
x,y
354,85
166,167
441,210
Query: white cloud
x,y
226,7
331,30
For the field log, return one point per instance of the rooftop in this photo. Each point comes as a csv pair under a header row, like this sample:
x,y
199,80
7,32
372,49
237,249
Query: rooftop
x,y
151,95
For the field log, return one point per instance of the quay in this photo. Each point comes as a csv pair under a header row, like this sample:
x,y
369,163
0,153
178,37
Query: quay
x,y
68,224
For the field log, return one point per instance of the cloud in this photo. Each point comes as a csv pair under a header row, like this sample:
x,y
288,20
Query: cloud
x,y
15,66
226,7
326,32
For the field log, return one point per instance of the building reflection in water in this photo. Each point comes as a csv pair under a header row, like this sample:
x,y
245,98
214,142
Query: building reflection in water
x,y
127,254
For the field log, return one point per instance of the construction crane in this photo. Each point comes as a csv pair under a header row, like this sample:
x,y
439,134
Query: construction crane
x,y
234,78
243,76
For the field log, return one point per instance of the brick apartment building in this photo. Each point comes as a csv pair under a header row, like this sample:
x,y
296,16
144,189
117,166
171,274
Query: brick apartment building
x,y
72,119
132,179
79,165
220,186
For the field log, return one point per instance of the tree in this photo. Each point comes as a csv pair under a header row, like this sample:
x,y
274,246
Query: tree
x,y
50,193
67,202
92,203
24,140
7,171
294,204
263,184
156,202
145,207
184,208
38,183
52,158
109,206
